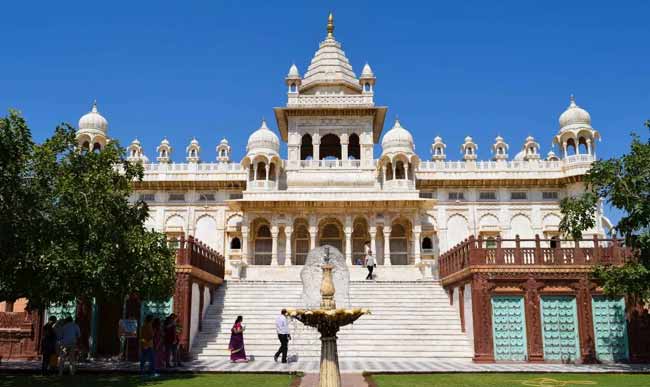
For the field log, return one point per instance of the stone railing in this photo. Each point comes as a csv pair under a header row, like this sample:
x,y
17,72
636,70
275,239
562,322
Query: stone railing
x,y
330,163
513,165
531,252
299,100
195,253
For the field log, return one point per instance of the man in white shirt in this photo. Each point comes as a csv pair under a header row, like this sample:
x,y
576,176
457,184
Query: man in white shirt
x,y
282,327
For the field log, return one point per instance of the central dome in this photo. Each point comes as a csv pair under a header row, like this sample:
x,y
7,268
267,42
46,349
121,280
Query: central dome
x,y
93,120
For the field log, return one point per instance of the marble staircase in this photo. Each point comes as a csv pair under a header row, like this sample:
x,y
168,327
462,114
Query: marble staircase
x,y
409,320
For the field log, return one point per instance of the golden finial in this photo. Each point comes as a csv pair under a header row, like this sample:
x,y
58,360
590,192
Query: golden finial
x,y
330,26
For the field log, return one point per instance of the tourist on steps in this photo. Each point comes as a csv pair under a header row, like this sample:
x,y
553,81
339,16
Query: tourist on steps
x,y
282,327
370,264
236,345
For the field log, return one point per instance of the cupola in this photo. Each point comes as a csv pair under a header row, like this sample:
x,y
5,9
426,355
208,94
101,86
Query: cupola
x,y
263,140
531,149
499,149
223,151
91,134
293,79
469,149
367,79
193,151
135,152
164,151
574,117
438,149
397,139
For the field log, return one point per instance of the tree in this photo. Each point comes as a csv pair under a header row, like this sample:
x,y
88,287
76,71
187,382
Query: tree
x,y
91,239
624,183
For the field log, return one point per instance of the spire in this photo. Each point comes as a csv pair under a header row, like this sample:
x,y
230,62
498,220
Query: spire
x,y
94,109
330,26
573,101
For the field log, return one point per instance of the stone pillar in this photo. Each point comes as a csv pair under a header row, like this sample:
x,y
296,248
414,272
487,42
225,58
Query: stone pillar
x,y
330,375
274,245
584,288
387,246
344,147
564,149
482,319
244,244
201,303
312,237
183,308
315,143
588,146
373,241
287,246
348,240
534,339
416,246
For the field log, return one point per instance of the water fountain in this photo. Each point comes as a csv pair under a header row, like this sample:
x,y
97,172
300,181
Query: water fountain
x,y
327,318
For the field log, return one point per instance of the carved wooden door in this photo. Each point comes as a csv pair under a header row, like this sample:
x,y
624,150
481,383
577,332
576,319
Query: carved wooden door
x,y
610,328
509,328
560,328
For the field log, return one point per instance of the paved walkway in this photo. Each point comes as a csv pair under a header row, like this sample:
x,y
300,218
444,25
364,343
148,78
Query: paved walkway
x,y
347,380
347,366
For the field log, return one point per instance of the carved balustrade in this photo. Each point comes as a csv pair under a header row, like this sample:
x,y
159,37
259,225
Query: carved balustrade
x,y
193,252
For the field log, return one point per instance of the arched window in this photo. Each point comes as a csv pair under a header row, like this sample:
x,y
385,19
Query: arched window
x,y
133,152
439,151
427,244
360,237
400,171
582,144
366,86
193,153
300,244
470,151
235,244
97,147
163,153
306,148
500,150
263,242
330,147
223,153
331,235
389,171
571,147
293,88
354,148
398,245
261,171
272,171
86,145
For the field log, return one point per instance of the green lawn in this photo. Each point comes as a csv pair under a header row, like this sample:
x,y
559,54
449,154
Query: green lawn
x,y
178,380
507,380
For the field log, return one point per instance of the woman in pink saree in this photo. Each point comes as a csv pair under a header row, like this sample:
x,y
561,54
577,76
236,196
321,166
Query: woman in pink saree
x,y
236,346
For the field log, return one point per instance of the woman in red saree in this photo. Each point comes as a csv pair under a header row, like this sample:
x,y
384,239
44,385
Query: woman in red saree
x,y
236,346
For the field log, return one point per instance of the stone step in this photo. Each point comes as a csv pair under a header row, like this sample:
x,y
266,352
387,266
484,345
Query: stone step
x,y
349,353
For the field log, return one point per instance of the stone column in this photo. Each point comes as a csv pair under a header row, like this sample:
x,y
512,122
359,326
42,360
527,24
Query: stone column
x,y
274,245
344,147
482,319
244,244
373,240
416,244
564,149
348,240
534,338
387,246
287,246
312,237
584,288
315,143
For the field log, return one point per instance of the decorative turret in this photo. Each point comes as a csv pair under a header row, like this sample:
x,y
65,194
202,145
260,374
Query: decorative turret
x,y
551,156
397,139
367,79
469,149
135,152
576,131
193,151
438,149
263,140
223,151
92,130
531,149
164,151
293,79
500,149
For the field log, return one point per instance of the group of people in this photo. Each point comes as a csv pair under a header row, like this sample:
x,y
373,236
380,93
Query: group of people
x,y
236,345
159,344
60,345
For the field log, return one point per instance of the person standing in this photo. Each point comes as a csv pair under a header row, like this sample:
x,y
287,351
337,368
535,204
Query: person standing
x,y
236,344
48,344
146,345
158,345
70,334
171,342
282,327
370,264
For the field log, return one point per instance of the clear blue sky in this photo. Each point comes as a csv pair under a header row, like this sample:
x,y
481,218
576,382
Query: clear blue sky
x,y
212,69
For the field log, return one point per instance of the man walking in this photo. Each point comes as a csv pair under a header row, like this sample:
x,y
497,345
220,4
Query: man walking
x,y
70,334
370,264
282,327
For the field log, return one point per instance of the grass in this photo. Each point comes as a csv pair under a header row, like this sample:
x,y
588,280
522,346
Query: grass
x,y
507,380
178,380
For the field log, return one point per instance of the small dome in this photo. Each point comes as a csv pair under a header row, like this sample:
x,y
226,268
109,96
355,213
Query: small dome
x,y
93,120
194,141
551,155
293,72
135,142
498,139
164,141
437,139
263,138
574,117
367,72
520,156
397,137
530,139
223,141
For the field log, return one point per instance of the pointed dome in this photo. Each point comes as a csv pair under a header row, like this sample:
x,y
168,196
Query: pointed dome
x,y
330,66
263,139
293,72
223,141
574,117
367,72
93,120
397,139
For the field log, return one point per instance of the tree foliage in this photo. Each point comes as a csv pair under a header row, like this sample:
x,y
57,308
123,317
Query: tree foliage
x,y
83,237
624,183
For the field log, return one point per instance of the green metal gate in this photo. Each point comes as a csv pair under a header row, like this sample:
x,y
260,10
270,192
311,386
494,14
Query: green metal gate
x,y
560,328
509,328
610,328
160,309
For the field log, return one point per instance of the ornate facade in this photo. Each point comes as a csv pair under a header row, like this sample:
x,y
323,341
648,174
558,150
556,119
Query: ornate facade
x,y
331,187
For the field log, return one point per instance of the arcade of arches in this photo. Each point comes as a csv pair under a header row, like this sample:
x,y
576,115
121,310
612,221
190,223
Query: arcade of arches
x,y
263,242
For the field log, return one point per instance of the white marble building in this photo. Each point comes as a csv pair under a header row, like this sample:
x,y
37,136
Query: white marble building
x,y
331,187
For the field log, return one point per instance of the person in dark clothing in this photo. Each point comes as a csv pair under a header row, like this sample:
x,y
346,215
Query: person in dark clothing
x,y
48,344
